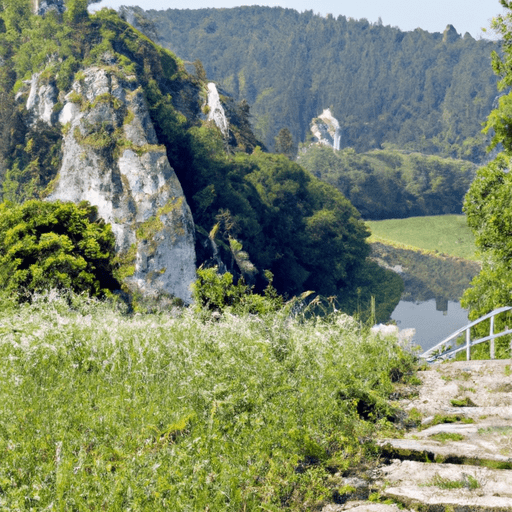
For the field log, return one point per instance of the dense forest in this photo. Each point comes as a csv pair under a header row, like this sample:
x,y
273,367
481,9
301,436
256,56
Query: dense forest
x,y
289,222
390,184
421,91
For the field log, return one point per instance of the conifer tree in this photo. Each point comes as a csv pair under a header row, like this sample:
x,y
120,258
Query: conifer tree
x,y
284,144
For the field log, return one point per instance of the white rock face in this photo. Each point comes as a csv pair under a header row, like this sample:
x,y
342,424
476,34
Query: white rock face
x,y
216,113
41,100
41,7
326,129
112,159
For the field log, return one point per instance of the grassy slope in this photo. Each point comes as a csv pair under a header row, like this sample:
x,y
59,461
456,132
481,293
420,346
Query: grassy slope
x,y
447,234
104,411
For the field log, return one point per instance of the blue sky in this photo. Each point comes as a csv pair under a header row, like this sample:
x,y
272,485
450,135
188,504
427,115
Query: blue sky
x,y
432,15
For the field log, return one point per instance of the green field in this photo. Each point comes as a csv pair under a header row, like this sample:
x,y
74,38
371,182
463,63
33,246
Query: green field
x,y
447,234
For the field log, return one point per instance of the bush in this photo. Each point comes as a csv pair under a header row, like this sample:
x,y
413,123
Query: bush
x,y
46,245
217,292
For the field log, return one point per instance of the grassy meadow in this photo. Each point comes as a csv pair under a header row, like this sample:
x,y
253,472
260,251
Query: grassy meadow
x,y
104,410
447,234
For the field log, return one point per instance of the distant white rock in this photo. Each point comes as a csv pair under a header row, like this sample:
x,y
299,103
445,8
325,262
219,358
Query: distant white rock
x,y
41,7
216,110
41,100
326,129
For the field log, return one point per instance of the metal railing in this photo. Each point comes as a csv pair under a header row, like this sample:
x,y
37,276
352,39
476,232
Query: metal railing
x,y
436,352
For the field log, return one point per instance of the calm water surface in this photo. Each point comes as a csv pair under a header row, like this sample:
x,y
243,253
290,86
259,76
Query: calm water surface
x,y
431,325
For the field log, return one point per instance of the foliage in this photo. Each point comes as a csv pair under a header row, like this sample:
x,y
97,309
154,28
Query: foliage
x,y
467,481
217,292
100,410
54,245
487,204
462,402
489,215
319,241
34,163
422,91
284,143
443,234
390,184
304,231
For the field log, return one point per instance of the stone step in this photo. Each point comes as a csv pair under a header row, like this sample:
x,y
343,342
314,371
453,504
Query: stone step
x,y
502,412
434,487
363,506
487,442
488,384
426,450
469,465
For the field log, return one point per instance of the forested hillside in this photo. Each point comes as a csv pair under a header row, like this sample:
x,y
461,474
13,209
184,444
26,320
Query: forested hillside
x,y
414,90
390,184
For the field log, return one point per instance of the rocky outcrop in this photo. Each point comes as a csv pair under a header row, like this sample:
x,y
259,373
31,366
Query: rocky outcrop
x,y
326,129
112,158
216,110
41,7
41,101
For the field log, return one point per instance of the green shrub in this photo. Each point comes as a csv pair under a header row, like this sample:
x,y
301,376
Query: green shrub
x,y
46,245
217,292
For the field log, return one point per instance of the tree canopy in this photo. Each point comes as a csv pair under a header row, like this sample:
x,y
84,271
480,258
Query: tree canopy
x,y
422,91
487,204
390,184
46,245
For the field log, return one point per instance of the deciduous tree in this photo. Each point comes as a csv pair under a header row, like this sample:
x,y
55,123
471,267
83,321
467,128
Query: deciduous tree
x,y
488,206
46,245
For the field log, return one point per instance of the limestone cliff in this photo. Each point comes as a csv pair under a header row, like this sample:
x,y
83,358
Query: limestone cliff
x,y
112,158
117,120
326,129
216,110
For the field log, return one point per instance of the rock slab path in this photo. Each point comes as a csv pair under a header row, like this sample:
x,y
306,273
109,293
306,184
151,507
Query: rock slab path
x,y
460,458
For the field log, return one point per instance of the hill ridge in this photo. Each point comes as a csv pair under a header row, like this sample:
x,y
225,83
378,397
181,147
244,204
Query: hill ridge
x,y
414,89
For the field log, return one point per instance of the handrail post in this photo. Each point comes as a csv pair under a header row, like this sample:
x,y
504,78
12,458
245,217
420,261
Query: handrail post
x,y
491,332
437,350
468,348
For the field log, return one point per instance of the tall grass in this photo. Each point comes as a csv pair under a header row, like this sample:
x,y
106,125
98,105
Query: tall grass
x,y
446,234
104,411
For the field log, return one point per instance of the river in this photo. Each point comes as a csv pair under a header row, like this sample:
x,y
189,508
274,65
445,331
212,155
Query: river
x,y
431,324
434,285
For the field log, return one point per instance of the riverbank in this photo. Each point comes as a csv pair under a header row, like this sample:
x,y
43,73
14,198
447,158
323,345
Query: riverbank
x,y
439,235
426,276
436,259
